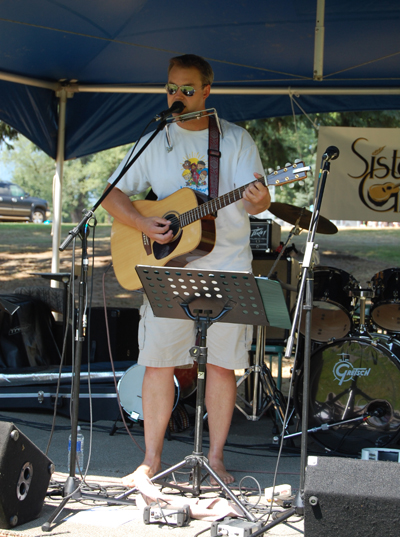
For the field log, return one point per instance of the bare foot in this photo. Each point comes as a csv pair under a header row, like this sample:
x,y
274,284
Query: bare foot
x,y
219,468
129,480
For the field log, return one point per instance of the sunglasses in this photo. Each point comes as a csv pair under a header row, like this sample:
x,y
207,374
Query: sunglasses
x,y
186,90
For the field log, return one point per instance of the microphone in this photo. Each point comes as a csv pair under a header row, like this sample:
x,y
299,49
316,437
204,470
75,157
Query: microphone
x,y
177,106
331,153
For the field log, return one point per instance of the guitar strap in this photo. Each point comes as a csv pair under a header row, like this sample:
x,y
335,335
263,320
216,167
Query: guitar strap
x,y
214,155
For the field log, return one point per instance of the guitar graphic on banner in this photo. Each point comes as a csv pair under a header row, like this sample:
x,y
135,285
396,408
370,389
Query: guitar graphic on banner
x,y
192,223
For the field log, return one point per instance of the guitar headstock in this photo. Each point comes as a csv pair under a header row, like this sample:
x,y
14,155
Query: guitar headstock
x,y
288,174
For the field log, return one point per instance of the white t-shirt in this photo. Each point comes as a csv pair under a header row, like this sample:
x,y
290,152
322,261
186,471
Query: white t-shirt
x,y
187,166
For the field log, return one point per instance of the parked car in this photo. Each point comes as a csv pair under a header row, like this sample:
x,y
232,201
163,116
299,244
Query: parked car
x,y
16,204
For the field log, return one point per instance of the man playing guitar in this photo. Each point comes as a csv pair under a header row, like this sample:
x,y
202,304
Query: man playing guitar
x,y
165,343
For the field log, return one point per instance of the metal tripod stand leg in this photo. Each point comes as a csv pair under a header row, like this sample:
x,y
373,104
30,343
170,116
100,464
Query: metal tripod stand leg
x,y
262,376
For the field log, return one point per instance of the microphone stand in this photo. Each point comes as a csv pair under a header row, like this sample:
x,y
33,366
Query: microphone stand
x,y
305,289
72,486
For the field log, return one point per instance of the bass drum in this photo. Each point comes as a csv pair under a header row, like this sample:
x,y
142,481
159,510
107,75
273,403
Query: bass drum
x,y
334,291
385,311
130,392
354,379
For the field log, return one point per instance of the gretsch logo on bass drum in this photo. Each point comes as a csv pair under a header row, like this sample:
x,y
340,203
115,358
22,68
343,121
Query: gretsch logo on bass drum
x,y
344,371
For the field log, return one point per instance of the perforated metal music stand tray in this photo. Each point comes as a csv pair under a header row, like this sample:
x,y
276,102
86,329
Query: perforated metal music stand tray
x,y
206,297
249,300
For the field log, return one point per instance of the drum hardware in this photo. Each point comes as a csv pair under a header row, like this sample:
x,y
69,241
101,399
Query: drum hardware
x,y
260,402
323,427
265,391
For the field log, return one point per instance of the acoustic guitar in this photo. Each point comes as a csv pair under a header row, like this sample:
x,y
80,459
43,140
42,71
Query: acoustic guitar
x,y
192,222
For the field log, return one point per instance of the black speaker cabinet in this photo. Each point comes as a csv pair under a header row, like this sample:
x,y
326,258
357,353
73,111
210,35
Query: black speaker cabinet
x,y
123,329
351,497
287,271
25,474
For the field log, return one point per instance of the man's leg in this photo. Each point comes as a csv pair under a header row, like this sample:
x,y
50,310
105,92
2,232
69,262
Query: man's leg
x,y
220,402
158,393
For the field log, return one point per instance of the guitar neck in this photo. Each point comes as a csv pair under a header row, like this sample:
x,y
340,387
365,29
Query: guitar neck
x,y
288,174
211,206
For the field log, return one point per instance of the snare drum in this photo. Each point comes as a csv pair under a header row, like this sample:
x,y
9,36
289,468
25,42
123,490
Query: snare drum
x,y
130,391
351,379
385,311
333,297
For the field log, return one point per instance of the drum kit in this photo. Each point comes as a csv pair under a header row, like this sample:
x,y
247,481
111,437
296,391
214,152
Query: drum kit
x,y
354,398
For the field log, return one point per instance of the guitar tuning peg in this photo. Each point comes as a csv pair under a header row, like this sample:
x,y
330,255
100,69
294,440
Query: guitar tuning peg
x,y
297,161
270,170
278,167
287,165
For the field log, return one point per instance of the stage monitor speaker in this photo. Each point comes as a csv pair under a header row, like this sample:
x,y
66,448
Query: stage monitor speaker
x,y
351,497
287,271
25,474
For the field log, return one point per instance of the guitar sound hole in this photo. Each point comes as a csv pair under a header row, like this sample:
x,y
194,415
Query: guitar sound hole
x,y
174,225
161,251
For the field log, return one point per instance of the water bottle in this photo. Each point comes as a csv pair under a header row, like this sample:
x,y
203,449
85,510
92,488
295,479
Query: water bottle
x,y
79,452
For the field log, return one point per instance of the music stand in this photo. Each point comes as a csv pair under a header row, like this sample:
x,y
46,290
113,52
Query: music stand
x,y
205,297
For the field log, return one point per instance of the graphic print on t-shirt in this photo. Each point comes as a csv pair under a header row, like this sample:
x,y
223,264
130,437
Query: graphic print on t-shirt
x,y
195,173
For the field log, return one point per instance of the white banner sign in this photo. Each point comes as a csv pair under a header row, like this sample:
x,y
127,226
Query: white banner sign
x,y
364,181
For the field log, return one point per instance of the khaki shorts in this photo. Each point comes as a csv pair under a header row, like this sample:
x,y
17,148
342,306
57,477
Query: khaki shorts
x,y
166,342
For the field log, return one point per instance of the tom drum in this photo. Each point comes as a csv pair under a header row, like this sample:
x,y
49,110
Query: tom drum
x,y
385,311
332,304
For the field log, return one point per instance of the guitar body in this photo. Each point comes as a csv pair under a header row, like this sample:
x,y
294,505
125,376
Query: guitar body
x,y
192,222
130,248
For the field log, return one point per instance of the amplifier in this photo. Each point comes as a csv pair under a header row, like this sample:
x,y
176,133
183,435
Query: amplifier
x,y
265,235
123,331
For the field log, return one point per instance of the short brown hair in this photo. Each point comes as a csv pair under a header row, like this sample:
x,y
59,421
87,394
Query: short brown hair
x,y
191,60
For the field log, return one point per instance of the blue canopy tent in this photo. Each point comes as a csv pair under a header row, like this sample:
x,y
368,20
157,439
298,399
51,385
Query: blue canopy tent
x,y
80,77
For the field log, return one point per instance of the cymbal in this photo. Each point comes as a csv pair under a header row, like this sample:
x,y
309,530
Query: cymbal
x,y
302,217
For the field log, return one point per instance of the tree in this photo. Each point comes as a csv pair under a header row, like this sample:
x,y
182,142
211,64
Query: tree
x,y
7,134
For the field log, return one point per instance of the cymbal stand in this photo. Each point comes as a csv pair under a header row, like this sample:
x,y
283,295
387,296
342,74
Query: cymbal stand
x,y
263,381
262,375
296,230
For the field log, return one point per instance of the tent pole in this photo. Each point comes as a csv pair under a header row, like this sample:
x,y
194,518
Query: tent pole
x,y
57,182
319,41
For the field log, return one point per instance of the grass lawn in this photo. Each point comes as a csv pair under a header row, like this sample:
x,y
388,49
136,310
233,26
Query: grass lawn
x,y
379,244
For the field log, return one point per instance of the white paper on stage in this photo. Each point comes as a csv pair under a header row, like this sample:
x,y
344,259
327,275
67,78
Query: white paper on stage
x,y
364,181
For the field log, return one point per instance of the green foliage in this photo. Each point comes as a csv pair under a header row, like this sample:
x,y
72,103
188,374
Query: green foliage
x,y
7,135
